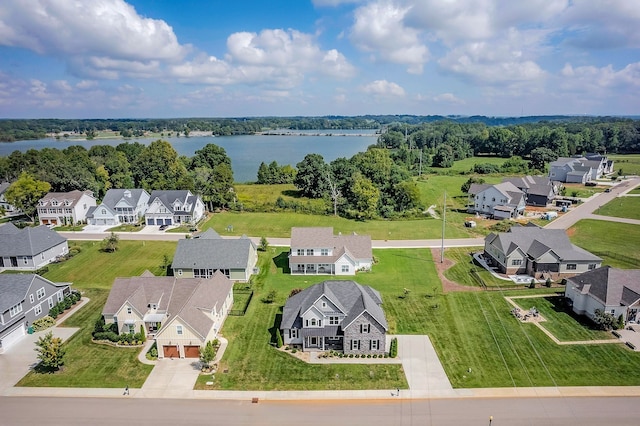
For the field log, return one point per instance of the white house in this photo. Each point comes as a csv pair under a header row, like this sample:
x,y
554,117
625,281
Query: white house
x,y
580,169
59,208
9,208
318,251
120,206
501,201
173,208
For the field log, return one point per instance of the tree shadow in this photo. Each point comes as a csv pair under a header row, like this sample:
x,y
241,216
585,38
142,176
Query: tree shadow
x,y
282,262
293,193
276,326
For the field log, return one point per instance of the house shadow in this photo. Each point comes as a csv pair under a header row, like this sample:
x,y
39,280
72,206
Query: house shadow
x,y
276,326
559,304
282,262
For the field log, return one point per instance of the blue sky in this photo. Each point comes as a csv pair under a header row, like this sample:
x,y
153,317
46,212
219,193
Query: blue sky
x,y
198,58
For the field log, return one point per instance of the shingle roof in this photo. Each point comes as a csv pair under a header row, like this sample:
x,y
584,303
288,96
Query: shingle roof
x,y
215,253
14,288
113,197
168,197
611,286
28,241
4,186
349,296
359,246
72,196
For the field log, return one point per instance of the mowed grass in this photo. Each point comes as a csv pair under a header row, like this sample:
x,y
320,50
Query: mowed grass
x,y
629,164
616,243
561,321
91,271
581,191
464,265
628,207
467,164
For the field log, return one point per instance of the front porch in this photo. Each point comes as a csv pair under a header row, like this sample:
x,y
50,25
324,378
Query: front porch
x,y
322,339
313,269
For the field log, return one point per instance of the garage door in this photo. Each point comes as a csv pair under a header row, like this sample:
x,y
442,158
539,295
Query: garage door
x,y
170,352
151,221
167,221
192,351
11,338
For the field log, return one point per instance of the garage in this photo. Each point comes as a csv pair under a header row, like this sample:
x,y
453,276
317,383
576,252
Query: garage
x,y
171,351
167,221
192,351
11,338
151,221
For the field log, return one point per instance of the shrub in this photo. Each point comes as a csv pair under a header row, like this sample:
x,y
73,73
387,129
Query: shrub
x,y
106,335
279,338
548,282
619,325
295,291
270,297
54,312
393,349
43,323
141,336
532,284
294,350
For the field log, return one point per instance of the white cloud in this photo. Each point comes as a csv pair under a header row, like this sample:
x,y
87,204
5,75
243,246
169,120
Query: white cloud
x,y
383,88
448,98
379,28
600,81
333,3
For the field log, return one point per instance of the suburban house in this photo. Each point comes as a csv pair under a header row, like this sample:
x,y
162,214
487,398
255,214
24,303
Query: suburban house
x,y
335,315
25,298
500,201
9,208
173,208
539,190
119,206
60,208
29,249
180,314
538,252
580,169
611,290
318,251
204,255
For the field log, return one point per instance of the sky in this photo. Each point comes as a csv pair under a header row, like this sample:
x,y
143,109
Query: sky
x,y
244,58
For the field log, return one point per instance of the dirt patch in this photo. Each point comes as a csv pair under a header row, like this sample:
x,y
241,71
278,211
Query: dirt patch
x,y
571,232
448,285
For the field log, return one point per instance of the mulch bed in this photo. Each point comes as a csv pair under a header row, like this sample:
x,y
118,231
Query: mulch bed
x,y
448,286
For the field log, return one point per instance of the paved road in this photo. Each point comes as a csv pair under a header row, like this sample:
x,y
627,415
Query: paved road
x,y
586,209
444,412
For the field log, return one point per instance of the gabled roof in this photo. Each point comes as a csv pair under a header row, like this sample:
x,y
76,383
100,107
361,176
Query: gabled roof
x,y
190,299
169,197
536,241
28,241
130,196
215,253
610,286
349,296
359,246
14,288
9,228
4,186
209,234
72,197
534,185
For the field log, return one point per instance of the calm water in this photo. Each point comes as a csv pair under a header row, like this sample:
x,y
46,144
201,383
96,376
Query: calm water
x,y
246,152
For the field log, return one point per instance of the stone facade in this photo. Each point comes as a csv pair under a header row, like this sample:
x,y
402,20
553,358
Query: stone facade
x,y
357,332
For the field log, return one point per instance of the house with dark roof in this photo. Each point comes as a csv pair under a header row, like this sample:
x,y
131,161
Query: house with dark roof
x,y
207,253
538,252
580,169
611,290
119,206
335,315
539,190
180,314
174,207
25,298
9,208
315,250
500,201
65,208
29,249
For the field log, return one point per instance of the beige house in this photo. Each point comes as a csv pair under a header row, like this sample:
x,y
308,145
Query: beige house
x,y
316,250
180,314
65,208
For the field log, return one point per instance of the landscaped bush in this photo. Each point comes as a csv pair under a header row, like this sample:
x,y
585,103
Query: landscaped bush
x,y
393,349
270,297
43,323
152,353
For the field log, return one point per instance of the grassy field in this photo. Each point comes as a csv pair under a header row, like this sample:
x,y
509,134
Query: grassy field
x,y
464,265
256,196
126,228
628,207
617,243
629,164
581,191
92,272
467,164
635,191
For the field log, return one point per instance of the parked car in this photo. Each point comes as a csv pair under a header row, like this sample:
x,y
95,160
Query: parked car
x,y
607,190
163,227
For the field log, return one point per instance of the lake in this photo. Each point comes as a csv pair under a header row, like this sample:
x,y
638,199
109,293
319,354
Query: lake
x,y
246,151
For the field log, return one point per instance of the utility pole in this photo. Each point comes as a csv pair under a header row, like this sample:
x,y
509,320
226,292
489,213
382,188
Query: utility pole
x,y
444,220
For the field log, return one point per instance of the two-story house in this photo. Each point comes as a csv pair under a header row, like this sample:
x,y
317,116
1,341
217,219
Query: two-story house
x,y
120,206
539,190
180,314
580,169
4,204
315,250
335,315
25,298
173,208
29,249
500,201
65,208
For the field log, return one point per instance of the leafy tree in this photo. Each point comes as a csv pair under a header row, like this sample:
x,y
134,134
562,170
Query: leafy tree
x,y
467,185
604,320
264,244
158,167
541,156
444,157
25,193
207,354
375,164
50,351
406,195
365,196
310,179
279,342
110,243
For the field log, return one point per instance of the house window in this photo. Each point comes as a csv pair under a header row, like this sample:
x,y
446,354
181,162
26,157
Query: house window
x,y
50,301
355,345
374,345
324,304
60,297
128,309
179,330
592,266
300,252
42,255
309,252
345,268
104,211
313,322
571,266
365,328
179,271
37,310
24,259
324,252
31,299
334,320
516,262
15,310
40,293
293,333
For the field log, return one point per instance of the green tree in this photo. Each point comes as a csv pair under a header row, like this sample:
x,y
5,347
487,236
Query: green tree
x,y
444,157
207,354
50,351
541,156
158,167
465,186
310,179
406,195
365,196
264,244
25,193
110,243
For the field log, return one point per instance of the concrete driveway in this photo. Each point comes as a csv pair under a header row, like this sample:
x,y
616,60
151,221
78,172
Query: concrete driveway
x,y
171,378
422,367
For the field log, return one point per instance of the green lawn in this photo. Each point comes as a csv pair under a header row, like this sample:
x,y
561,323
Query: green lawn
x,y
581,191
562,322
92,272
126,228
616,243
467,164
635,190
258,196
461,271
629,164
69,228
628,207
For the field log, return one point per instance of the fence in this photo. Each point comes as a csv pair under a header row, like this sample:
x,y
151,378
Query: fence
x,y
618,256
240,296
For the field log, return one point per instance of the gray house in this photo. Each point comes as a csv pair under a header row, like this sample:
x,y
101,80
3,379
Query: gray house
x,y
119,206
539,190
29,249
335,315
202,256
3,201
500,201
25,298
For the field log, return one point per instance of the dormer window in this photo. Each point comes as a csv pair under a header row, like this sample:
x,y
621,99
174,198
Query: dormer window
x,y
67,203
54,202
